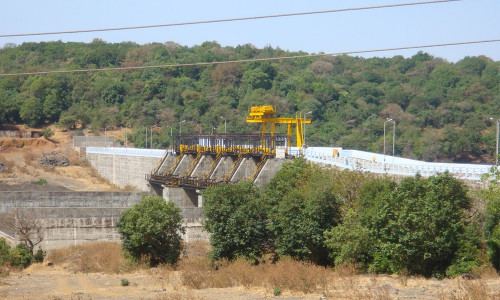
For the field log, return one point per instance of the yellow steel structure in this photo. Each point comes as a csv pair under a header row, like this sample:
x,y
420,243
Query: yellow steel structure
x,y
265,115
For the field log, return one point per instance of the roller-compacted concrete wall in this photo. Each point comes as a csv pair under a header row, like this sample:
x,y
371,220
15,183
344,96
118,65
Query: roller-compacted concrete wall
x,y
125,166
71,218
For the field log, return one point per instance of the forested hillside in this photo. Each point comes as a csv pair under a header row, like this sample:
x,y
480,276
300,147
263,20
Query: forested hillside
x,y
441,109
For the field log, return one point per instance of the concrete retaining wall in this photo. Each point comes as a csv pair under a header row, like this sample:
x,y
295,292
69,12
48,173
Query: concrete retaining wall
x,y
125,167
72,218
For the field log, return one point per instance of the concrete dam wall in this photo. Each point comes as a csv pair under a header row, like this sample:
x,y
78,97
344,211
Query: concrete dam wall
x,y
124,166
70,218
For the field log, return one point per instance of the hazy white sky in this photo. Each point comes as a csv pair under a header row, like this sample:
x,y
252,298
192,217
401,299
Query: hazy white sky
x,y
466,20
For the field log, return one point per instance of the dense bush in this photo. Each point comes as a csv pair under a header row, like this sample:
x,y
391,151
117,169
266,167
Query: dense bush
x,y
4,252
419,226
304,208
21,256
151,230
288,219
492,222
236,219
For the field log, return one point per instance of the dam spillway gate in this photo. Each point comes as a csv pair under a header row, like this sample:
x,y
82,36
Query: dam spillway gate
x,y
197,161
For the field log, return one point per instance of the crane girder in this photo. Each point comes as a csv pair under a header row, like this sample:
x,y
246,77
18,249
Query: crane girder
x,y
265,115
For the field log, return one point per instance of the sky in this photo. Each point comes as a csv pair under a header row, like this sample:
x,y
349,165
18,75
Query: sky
x,y
461,21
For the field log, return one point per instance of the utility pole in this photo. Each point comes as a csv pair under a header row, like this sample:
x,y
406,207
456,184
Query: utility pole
x,y
388,120
498,138
393,140
105,138
151,144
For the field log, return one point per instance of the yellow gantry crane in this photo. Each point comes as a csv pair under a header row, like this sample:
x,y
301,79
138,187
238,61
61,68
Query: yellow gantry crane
x,y
265,115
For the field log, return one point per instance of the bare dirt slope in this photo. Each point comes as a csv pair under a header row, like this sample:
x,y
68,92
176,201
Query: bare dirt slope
x,y
21,157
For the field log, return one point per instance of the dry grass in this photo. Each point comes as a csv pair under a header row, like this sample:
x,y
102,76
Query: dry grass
x,y
467,290
6,162
91,257
177,295
286,274
28,157
129,188
101,180
485,272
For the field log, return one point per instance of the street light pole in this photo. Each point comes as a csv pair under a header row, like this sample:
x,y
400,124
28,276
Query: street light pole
x,y
498,138
388,120
151,144
225,124
304,127
126,141
393,139
105,138
180,126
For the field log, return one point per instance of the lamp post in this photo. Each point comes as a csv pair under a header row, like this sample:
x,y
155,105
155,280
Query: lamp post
x,y
304,127
146,139
498,138
105,138
388,120
126,141
225,125
180,126
151,144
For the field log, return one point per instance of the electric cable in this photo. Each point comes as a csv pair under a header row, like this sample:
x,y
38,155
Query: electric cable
x,y
226,20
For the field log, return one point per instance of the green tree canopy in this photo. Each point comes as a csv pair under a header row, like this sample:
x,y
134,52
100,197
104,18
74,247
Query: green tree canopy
x,y
152,230
236,219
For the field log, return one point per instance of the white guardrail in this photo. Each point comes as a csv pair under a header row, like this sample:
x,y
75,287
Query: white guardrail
x,y
377,163
127,151
348,159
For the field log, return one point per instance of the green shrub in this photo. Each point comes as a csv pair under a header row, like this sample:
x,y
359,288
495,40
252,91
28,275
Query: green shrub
x,y
302,205
39,255
47,132
236,220
41,181
152,230
350,242
124,282
277,292
21,256
419,226
492,219
5,255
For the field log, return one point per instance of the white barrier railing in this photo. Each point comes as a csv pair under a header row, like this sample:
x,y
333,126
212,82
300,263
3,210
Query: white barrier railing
x,y
127,151
426,169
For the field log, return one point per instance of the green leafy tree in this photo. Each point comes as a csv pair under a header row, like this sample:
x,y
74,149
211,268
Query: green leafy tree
x,y
31,112
4,252
350,242
302,206
492,220
152,230
236,219
21,256
418,225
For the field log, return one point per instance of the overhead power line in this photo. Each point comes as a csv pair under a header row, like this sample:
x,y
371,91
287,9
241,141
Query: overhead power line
x,y
251,60
227,20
